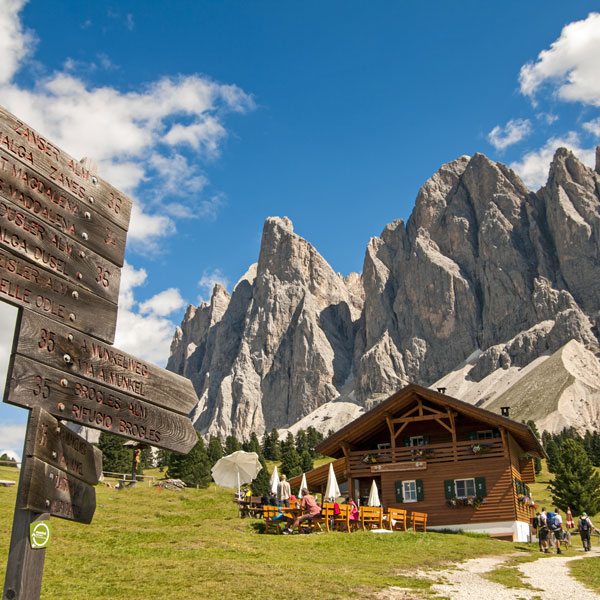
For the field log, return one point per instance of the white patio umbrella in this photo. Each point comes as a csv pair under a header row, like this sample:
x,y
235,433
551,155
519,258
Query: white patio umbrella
x,y
332,491
237,468
374,495
274,481
303,484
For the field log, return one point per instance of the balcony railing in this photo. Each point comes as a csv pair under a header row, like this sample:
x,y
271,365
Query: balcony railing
x,y
432,453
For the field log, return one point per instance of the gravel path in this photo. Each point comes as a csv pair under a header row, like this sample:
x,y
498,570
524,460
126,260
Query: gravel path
x,y
549,575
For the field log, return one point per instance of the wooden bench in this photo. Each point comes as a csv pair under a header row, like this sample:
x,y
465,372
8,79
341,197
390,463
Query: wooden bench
x,y
396,519
418,519
371,517
255,508
274,518
343,522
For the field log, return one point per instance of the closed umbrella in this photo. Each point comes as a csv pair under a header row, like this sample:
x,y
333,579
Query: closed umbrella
x,y
235,469
274,481
332,491
303,484
374,495
570,523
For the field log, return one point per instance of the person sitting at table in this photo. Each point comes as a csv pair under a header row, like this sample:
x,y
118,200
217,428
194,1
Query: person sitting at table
x,y
353,509
268,499
311,509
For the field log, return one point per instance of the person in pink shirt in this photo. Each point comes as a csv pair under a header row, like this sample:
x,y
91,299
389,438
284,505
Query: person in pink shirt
x,y
311,509
353,509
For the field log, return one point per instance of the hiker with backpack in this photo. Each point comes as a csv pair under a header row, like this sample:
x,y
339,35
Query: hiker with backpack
x,y
585,527
555,525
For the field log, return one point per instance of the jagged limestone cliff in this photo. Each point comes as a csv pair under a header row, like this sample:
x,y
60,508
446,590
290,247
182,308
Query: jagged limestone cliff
x,y
484,270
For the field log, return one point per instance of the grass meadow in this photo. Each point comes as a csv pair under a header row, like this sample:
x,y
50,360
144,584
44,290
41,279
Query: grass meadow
x,y
146,544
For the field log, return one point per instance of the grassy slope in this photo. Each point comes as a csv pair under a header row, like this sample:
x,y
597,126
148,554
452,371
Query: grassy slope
x,y
145,544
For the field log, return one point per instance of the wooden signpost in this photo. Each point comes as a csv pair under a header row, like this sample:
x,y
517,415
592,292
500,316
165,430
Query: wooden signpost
x,y
62,242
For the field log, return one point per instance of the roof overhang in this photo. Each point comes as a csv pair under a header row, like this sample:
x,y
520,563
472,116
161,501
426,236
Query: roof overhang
x,y
360,429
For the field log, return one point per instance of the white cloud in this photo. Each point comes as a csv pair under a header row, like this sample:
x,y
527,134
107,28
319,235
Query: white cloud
x,y
593,127
209,280
548,118
16,44
8,315
163,303
136,137
514,131
533,167
12,437
570,64
170,168
146,333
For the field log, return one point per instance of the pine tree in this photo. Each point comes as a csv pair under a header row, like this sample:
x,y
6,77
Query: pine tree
x,y
214,450
306,461
552,450
232,445
596,449
262,482
576,483
271,446
302,442
116,458
163,457
287,443
193,468
253,444
314,439
7,461
290,462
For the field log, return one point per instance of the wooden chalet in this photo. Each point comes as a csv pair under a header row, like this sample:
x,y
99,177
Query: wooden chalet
x,y
466,467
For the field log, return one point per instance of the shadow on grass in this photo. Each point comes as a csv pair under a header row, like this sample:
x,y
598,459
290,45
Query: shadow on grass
x,y
258,526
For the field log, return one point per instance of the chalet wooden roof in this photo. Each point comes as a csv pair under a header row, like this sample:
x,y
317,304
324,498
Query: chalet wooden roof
x,y
319,475
361,429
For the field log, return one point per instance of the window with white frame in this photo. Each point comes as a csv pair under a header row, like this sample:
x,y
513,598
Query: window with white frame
x,y
384,446
464,487
417,440
409,491
486,434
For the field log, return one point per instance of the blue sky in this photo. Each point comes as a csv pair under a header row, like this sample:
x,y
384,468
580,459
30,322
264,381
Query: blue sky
x,y
213,116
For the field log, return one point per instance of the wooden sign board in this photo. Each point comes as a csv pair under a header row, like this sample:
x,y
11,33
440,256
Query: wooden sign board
x,y
63,348
26,284
37,153
93,405
46,489
55,444
418,465
54,206
30,238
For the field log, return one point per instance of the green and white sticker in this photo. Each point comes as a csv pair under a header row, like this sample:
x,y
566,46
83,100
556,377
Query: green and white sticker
x,y
39,534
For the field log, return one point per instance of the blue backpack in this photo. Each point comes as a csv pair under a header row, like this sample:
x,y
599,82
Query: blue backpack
x,y
550,519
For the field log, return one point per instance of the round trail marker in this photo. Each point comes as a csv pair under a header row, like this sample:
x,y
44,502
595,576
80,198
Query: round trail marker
x,y
39,534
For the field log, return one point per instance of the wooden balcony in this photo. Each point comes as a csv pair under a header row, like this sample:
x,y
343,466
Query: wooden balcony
x,y
365,460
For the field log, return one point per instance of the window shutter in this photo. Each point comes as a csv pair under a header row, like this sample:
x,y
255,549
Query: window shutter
x,y
480,487
472,436
425,440
398,486
420,496
449,491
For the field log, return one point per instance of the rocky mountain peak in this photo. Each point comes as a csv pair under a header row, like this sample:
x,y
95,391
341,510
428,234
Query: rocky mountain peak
x,y
484,272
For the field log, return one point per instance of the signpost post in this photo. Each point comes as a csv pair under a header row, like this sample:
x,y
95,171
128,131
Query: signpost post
x,y
62,242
